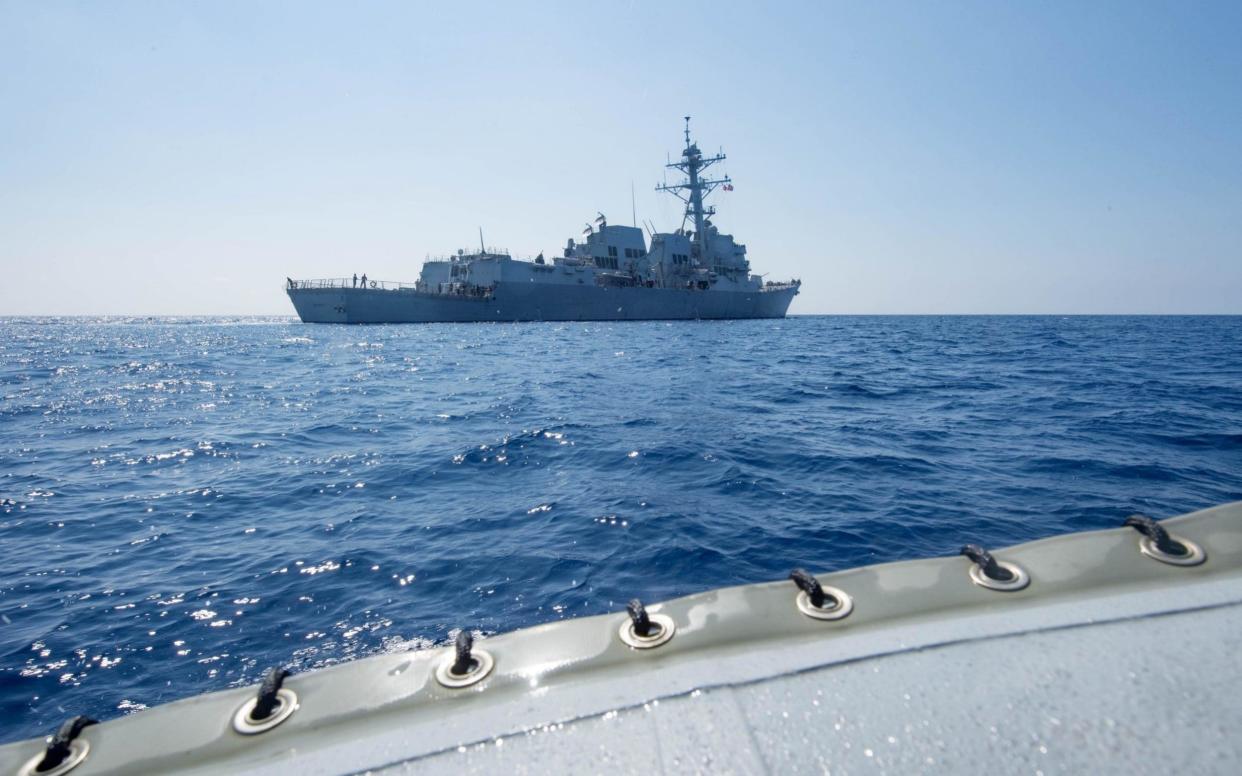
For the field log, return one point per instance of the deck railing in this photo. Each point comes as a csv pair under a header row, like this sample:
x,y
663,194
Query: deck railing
x,y
388,285
466,289
453,289
489,253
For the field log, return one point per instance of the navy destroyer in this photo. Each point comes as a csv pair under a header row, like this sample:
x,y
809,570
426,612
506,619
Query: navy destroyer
x,y
694,272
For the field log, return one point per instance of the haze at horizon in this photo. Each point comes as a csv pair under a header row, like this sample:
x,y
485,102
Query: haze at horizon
x,y
973,158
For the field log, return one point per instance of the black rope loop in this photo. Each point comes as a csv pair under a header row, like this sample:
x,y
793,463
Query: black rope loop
x,y
58,747
984,560
643,626
463,662
466,666
1159,537
266,701
814,591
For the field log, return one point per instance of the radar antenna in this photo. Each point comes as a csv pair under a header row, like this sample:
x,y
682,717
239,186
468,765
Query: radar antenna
x,y
695,188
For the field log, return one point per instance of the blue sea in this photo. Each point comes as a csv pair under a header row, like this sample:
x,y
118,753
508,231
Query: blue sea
x,y
186,502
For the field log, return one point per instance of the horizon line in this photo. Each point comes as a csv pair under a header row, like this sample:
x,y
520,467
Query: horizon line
x,y
294,317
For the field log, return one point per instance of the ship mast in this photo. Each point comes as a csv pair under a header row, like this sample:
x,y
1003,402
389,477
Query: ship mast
x,y
695,188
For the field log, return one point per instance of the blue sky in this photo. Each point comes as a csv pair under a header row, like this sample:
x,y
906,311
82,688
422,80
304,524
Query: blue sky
x,y
184,158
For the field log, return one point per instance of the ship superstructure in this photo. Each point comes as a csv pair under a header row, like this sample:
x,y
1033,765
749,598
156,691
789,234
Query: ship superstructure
x,y
610,273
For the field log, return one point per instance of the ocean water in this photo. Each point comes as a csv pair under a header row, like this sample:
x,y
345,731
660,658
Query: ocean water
x,y
186,502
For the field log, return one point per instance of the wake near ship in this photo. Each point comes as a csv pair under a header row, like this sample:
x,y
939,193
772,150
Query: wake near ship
x,y
695,272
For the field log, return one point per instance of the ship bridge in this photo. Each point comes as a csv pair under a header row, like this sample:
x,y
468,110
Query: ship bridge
x,y
610,246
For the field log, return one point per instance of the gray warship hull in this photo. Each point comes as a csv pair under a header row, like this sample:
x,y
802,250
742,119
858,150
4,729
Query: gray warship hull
x,y
508,302
614,274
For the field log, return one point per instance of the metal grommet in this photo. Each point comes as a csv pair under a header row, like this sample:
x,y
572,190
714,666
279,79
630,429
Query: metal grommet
x,y
1159,544
481,665
286,704
663,632
1193,557
1019,580
841,608
79,748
